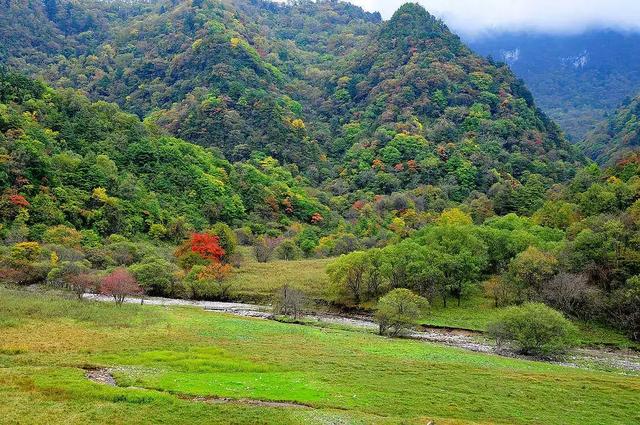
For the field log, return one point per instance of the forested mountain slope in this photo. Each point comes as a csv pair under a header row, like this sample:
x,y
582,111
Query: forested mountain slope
x,y
617,135
251,75
218,73
66,160
417,107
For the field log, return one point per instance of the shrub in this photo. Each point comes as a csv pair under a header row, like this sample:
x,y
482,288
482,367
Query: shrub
x,y
13,276
244,236
398,311
534,328
226,238
62,235
207,246
157,231
236,259
264,248
155,275
25,251
217,274
181,289
63,271
625,307
203,289
190,259
82,283
572,294
123,252
496,289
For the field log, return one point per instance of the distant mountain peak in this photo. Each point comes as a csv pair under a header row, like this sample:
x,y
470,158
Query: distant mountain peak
x,y
413,20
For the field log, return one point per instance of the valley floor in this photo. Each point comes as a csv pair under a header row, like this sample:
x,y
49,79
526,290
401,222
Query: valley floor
x,y
174,364
608,358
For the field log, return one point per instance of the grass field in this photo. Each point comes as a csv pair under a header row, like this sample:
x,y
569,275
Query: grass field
x,y
257,282
171,354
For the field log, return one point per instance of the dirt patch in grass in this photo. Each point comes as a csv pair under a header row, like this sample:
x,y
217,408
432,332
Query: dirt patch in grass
x,y
101,376
245,401
105,377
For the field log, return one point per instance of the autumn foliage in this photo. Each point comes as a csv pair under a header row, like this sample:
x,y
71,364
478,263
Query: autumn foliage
x,y
216,271
82,283
207,246
19,201
120,284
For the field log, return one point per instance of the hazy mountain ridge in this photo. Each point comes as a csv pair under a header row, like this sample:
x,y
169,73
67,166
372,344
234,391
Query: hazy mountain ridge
x,y
576,79
617,136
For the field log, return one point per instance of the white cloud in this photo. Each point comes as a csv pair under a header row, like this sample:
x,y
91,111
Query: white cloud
x,y
473,17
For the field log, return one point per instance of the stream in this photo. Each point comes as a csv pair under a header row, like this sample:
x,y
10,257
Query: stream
x,y
624,361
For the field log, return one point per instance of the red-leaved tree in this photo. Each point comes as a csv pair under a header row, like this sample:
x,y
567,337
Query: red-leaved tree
x,y
207,246
82,283
120,283
19,201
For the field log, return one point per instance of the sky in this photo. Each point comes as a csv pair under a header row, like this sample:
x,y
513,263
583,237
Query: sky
x,y
475,17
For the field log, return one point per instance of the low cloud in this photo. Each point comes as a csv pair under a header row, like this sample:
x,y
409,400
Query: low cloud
x,y
475,17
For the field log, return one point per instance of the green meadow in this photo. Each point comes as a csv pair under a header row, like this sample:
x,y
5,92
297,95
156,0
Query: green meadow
x,y
172,364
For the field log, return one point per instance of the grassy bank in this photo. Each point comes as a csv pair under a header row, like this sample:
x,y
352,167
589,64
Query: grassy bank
x,y
346,377
257,282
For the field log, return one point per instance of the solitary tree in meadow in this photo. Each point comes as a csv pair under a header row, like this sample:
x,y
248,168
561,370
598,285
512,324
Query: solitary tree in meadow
x,y
398,311
289,301
119,284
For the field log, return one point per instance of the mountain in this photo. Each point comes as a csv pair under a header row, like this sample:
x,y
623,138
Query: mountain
x,y
225,74
415,106
361,106
616,136
576,79
357,107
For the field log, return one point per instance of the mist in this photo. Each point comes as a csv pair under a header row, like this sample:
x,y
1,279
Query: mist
x,y
475,17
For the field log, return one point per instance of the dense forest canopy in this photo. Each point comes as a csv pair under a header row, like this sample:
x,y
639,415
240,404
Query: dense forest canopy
x,y
66,160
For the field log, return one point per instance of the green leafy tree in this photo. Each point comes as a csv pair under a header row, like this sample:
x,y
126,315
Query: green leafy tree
x,y
227,239
155,275
398,310
529,270
347,275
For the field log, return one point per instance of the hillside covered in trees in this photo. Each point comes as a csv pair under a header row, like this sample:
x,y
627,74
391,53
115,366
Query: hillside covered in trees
x,y
294,82
616,136
577,79
157,136
66,160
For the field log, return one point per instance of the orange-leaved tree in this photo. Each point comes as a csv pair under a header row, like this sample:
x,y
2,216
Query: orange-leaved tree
x,y
207,246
